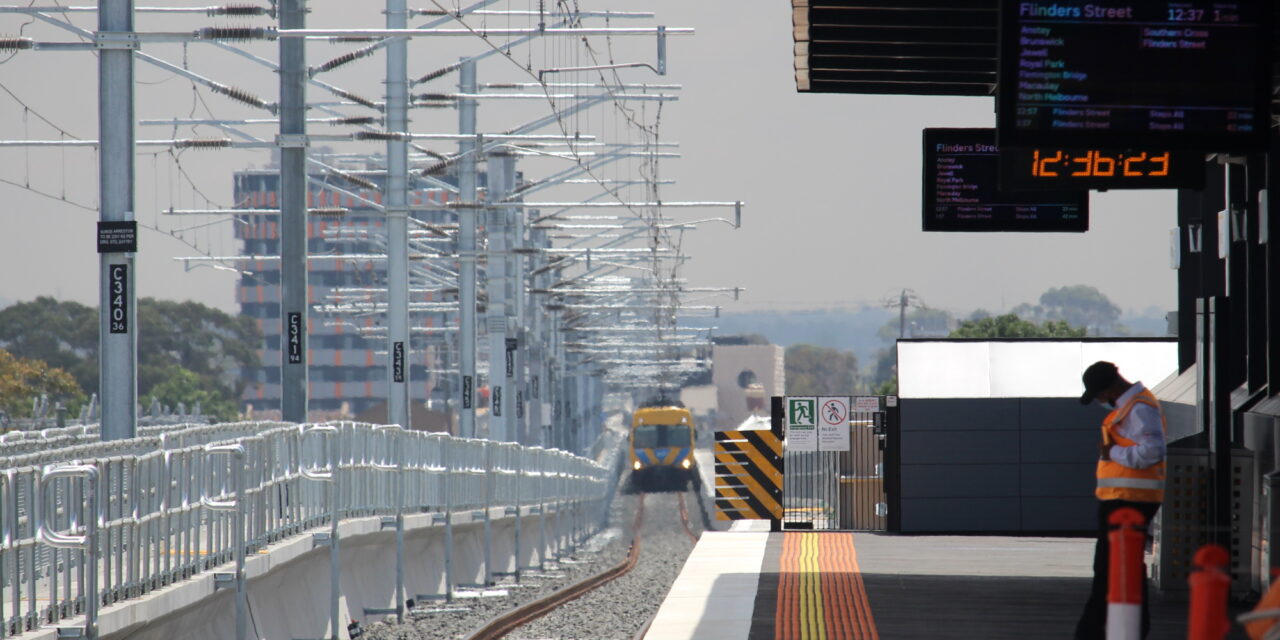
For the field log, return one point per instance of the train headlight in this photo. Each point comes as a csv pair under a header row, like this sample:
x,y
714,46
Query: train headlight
x,y
636,465
686,463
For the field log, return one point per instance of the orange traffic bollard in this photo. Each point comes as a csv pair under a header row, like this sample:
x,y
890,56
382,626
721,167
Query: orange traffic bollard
x,y
1125,575
1210,586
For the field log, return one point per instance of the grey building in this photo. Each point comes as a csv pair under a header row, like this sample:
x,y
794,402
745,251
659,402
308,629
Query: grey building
x,y
347,370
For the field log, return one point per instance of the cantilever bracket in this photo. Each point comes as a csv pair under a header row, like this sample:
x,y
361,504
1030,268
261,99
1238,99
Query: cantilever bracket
x,y
321,539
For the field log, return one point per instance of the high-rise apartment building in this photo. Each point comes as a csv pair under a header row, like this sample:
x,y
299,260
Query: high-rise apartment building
x,y
347,370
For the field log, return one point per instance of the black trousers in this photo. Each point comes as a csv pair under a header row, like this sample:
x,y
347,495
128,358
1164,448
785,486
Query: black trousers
x,y
1093,622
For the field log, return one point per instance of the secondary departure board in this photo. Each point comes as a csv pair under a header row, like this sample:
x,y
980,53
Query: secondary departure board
x,y
1175,74
962,190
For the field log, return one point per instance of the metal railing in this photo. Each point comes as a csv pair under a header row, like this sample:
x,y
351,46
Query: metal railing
x,y
90,525
19,448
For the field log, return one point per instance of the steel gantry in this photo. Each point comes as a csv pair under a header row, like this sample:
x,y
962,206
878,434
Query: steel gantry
x,y
539,282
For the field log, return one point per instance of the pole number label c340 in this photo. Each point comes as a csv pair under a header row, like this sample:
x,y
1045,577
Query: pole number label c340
x,y
118,307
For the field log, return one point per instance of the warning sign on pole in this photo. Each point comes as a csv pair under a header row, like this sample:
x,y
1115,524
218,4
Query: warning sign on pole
x,y
833,424
866,404
802,423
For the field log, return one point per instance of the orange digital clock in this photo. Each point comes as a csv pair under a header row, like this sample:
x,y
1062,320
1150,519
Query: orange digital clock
x,y
1101,169
1099,164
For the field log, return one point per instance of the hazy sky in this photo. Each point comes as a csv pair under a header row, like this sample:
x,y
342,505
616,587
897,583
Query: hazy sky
x,y
831,182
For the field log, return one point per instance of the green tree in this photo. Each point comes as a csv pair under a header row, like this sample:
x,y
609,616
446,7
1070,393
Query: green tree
x,y
1078,305
816,371
179,385
62,334
1011,326
214,346
885,369
211,344
887,388
23,380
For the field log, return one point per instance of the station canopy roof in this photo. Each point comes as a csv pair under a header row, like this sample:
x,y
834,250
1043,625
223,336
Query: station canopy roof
x,y
911,47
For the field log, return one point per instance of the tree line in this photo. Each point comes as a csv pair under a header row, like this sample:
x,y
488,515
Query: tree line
x,y
187,353
1062,312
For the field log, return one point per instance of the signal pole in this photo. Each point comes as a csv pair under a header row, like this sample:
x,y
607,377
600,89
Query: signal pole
x,y
500,276
293,214
118,326
468,148
398,405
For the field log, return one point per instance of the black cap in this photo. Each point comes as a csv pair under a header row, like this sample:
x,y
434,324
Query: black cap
x,y
1098,378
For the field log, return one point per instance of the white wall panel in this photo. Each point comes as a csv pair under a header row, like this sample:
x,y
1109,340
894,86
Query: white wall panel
x,y
1148,362
944,369
1034,369
1031,369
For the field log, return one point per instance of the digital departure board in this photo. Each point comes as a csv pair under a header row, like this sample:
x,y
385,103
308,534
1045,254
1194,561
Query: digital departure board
x,y
1115,74
1056,168
962,190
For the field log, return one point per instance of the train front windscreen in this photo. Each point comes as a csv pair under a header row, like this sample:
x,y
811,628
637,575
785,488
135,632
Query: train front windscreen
x,y
652,436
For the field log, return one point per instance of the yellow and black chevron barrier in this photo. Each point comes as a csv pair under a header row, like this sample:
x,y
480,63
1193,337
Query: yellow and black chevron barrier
x,y
748,475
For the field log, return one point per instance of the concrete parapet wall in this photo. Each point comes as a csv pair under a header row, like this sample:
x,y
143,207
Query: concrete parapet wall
x,y
288,583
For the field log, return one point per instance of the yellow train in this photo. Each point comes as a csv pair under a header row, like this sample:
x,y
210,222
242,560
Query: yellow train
x,y
661,447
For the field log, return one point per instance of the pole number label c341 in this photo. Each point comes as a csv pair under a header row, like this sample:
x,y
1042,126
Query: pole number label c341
x,y
295,337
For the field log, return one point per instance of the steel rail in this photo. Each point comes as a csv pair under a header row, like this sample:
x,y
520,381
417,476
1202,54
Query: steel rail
x,y
684,520
508,622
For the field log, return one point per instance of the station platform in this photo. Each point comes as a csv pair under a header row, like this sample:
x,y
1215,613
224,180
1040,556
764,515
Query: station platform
x,y
799,585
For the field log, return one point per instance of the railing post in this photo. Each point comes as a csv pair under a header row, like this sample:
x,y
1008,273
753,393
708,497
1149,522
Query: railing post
x,y
565,538
87,542
1210,585
542,510
1125,575
517,452
396,449
446,461
235,504
329,475
487,458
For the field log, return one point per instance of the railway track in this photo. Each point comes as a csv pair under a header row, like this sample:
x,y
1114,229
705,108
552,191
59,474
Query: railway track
x,y
684,519
507,624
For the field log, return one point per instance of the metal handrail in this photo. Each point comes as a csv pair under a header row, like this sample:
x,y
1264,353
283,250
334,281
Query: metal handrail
x,y
45,507
389,430
327,432
220,502
170,505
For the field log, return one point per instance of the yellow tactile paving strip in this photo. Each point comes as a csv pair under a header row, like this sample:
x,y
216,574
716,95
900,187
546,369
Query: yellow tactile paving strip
x,y
821,595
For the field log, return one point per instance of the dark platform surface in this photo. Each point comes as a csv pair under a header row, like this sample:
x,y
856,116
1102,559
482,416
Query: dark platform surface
x,y
988,587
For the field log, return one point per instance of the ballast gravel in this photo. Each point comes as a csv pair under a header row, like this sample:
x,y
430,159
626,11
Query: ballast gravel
x,y
619,609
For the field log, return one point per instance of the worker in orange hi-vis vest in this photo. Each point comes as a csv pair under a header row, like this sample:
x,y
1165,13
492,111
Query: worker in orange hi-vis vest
x,y
1131,468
